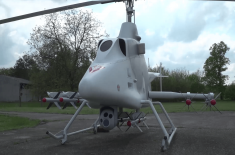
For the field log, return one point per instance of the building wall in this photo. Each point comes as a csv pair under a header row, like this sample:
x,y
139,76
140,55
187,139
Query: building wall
x,y
10,89
27,96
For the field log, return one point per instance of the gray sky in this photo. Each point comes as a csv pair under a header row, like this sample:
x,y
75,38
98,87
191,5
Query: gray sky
x,y
176,33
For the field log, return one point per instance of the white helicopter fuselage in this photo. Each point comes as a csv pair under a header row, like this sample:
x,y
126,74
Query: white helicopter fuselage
x,y
116,78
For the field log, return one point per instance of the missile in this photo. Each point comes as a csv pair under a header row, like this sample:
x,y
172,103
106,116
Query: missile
x,y
130,123
64,99
50,100
213,102
188,101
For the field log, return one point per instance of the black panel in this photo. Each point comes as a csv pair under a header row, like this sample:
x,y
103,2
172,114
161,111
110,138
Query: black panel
x,y
106,45
122,45
106,122
100,43
105,114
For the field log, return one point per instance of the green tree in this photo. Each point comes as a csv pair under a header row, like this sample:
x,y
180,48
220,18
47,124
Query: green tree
x,y
63,48
196,83
23,67
230,91
214,66
7,71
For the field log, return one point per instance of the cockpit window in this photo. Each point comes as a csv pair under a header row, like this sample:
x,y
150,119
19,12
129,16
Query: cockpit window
x,y
122,45
106,45
100,42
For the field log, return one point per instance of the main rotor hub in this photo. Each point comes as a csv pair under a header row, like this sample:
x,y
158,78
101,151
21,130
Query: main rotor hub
x,y
129,10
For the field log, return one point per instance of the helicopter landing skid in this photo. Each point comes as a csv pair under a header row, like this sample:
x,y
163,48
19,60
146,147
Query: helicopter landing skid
x,y
167,136
62,135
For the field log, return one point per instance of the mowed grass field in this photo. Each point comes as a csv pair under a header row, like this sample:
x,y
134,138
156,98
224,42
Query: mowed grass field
x,y
170,107
14,122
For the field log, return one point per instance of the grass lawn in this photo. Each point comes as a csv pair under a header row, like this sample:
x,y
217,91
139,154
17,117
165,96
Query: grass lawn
x,y
14,122
169,106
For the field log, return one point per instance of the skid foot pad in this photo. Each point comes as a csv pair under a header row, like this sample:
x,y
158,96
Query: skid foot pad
x,y
101,130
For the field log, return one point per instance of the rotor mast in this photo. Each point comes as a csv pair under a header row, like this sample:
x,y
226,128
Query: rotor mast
x,y
129,10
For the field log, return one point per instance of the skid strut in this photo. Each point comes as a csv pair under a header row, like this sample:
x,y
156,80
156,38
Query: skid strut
x,y
62,135
167,136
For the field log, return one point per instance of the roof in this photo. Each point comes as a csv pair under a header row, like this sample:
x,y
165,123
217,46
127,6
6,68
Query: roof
x,y
15,79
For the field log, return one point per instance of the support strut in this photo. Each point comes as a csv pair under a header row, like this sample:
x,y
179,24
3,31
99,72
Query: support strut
x,y
167,136
62,135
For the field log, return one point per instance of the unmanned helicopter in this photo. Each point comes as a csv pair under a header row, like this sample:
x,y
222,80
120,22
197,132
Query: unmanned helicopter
x,y
118,78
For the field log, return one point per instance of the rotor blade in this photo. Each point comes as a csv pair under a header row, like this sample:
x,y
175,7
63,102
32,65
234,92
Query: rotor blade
x,y
57,10
217,96
213,0
50,104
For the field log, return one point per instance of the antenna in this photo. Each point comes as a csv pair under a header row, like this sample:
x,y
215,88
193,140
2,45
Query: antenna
x,y
160,76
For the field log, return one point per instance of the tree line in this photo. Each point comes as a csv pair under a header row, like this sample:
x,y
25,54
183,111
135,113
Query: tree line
x,y
211,79
62,49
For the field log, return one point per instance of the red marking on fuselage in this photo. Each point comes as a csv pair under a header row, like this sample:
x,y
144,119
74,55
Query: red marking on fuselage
x,y
95,68
118,87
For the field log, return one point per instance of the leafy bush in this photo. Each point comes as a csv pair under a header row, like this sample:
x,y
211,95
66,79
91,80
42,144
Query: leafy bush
x,y
230,91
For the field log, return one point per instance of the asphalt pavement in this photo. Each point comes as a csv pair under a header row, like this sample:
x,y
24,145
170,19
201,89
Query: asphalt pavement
x,y
210,133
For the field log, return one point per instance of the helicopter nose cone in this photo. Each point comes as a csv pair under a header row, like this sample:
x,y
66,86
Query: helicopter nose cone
x,y
85,88
98,88
108,87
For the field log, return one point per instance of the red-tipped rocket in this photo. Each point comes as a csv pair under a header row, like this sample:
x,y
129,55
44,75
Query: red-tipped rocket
x,y
44,100
64,99
188,101
213,102
50,100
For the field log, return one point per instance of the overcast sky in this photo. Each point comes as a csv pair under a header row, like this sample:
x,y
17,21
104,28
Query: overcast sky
x,y
176,33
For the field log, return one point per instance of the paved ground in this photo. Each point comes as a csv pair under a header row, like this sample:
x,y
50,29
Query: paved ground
x,y
209,133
